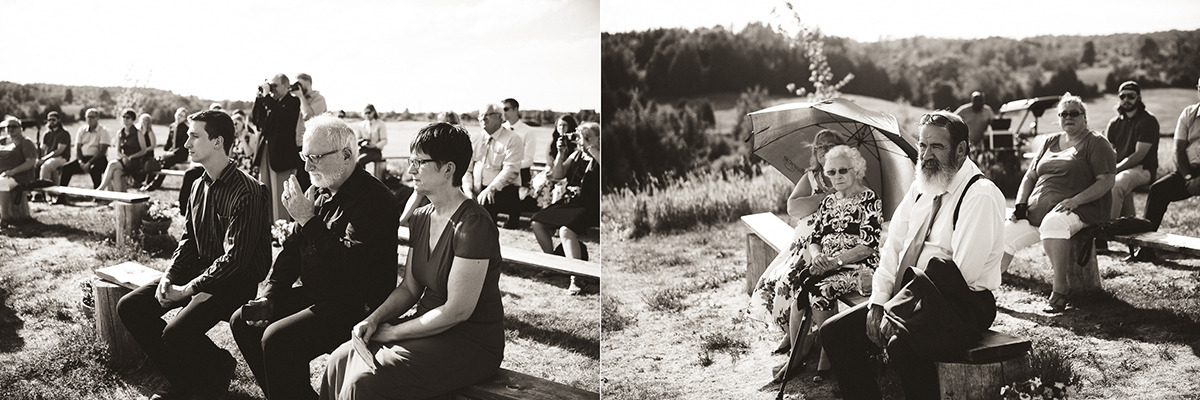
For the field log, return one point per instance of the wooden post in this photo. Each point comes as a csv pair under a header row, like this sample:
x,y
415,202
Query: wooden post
x,y
1083,278
980,381
14,206
129,220
758,256
123,350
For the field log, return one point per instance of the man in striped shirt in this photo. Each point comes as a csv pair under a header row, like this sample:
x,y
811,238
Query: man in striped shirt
x,y
223,255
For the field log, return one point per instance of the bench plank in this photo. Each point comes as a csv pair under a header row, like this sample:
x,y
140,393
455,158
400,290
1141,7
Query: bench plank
x,y
171,172
771,229
1163,240
507,385
535,259
97,194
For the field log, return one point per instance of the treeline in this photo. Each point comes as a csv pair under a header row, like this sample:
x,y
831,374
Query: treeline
x,y
934,73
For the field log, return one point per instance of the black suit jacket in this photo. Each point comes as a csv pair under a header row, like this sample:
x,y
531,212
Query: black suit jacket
x,y
277,119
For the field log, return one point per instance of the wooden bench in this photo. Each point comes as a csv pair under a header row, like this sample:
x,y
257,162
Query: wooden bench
x,y
130,207
514,385
998,359
536,259
1163,241
171,172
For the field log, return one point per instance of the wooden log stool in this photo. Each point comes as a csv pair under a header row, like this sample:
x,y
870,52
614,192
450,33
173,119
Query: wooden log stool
x,y
1084,276
111,285
514,385
998,360
16,208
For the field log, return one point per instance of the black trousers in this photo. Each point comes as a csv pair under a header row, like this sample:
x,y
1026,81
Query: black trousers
x,y
99,163
1166,190
167,161
301,329
844,338
508,201
180,348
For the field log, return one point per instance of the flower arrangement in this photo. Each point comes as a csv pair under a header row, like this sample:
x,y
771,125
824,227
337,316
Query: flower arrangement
x,y
1035,389
280,231
160,211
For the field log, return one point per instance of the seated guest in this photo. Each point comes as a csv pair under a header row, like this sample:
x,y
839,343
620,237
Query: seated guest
x,y
449,117
247,146
343,250
177,134
56,149
961,259
17,157
372,136
1067,187
1184,182
494,176
771,301
543,185
135,147
217,266
456,336
91,151
579,207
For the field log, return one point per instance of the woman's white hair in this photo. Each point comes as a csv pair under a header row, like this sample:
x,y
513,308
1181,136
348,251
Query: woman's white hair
x,y
856,159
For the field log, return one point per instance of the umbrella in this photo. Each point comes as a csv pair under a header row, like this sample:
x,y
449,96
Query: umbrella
x,y
782,136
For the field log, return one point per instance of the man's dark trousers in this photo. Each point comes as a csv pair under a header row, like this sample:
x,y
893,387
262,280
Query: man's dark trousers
x,y
508,201
72,168
301,329
180,348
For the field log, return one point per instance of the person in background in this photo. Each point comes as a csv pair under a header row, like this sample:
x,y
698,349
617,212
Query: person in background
x,y
372,136
513,122
177,134
56,149
312,104
978,116
135,146
246,147
1180,184
578,209
456,336
1133,133
1067,187
275,114
449,117
91,150
216,107
543,185
494,175
18,155
341,114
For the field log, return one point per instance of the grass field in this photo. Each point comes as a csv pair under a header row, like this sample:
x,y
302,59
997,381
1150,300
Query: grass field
x,y
48,347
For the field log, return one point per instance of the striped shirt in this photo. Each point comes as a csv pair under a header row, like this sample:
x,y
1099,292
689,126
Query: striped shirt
x,y
228,240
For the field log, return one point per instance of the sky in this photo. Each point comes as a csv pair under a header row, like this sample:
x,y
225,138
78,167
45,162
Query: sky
x,y
869,21
426,56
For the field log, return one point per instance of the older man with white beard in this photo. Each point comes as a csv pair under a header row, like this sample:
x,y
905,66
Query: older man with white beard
x,y
949,217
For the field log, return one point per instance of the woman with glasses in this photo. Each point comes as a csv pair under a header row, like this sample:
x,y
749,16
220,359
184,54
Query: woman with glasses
x,y
456,337
18,155
1066,188
840,251
771,301
372,136
578,209
134,147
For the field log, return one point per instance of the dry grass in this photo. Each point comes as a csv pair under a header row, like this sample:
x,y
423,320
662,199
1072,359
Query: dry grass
x,y
47,341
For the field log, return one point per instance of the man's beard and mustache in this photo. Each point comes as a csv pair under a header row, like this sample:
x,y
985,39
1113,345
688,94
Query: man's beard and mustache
x,y
323,180
1130,107
935,179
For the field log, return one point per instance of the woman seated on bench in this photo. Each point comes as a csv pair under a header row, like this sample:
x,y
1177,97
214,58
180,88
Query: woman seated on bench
x,y
579,208
17,158
1066,188
456,337
136,147
826,263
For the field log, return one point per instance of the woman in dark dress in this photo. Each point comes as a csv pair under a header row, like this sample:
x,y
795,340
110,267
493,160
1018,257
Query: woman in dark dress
x,y
136,147
579,207
456,337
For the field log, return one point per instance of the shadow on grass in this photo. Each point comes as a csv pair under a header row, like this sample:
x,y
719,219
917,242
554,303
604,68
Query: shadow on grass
x,y
587,285
549,329
10,324
35,228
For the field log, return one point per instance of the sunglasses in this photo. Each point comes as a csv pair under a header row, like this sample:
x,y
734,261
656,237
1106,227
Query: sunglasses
x,y
935,120
836,172
1071,114
506,109
1128,96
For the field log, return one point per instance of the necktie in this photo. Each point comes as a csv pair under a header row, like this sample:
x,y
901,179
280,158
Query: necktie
x,y
914,247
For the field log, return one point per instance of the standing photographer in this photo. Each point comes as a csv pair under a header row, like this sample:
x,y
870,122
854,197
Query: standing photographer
x,y
276,112
312,104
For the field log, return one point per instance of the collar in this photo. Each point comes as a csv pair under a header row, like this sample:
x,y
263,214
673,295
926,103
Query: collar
x,y
225,174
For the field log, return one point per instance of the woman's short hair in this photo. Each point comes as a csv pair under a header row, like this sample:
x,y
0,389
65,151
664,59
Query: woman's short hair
x,y
328,129
1069,98
836,138
445,143
856,159
449,117
592,127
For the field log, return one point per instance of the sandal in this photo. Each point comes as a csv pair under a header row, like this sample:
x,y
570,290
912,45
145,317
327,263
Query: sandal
x,y
1057,303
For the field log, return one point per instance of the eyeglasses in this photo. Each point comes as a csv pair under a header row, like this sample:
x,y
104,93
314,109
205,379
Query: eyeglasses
x,y
417,163
126,117
52,120
1128,96
1071,114
92,117
315,158
836,172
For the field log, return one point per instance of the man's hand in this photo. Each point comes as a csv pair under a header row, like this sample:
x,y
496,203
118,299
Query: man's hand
x,y
878,334
267,307
170,294
364,330
487,196
86,167
264,90
300,205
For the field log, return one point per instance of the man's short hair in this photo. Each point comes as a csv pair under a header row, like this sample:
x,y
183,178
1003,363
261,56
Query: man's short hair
x,y
959,133
511,102
327,128
216,124
304,76
445,142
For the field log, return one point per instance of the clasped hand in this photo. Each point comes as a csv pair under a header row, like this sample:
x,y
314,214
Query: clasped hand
x,y
878,330
370,331
168,294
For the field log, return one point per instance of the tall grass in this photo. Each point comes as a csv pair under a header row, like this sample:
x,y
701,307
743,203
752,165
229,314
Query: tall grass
x,y
697,200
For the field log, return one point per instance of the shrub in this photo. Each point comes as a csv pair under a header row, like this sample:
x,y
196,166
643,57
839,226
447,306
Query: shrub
x,y
668,299
612,317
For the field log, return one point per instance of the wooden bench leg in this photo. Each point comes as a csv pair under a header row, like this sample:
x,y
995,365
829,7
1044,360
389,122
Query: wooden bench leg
x,y
758,256
15,206
129,220
980,381
122,349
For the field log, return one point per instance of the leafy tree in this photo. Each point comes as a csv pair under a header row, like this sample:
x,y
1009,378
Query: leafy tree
x,y
1089,54
68,97
105,97
1149,50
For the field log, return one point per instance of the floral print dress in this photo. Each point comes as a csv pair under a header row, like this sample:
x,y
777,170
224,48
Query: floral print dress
x,y
838,225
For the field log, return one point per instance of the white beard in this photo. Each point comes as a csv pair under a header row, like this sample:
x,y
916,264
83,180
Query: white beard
x,y
933,183
324,180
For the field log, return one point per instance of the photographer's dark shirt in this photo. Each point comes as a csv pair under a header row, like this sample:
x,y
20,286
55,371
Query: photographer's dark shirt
x,y
228,239
347,251
277,119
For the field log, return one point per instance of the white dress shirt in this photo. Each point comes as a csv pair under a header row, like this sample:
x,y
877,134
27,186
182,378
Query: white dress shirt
x,y
524,131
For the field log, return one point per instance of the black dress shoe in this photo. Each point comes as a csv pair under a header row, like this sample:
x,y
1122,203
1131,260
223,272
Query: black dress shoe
x,y
1144,254
217,387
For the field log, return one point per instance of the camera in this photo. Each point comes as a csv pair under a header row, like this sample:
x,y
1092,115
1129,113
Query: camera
x,y
295,86
266,89
572,137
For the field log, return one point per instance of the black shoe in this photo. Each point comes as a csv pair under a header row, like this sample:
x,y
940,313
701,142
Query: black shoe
x,y
1102,247
1144,254
512,223
217,387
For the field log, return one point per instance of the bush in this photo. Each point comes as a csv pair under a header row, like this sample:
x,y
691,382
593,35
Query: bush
x,y
695,200
650,142
667,299
612,317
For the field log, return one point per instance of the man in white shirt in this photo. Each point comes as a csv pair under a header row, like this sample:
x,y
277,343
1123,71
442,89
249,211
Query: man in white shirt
x,y
975,242
513,122
493,177
91,150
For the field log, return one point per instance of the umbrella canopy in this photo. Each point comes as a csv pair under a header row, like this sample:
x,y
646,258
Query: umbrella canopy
x,y
783,136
